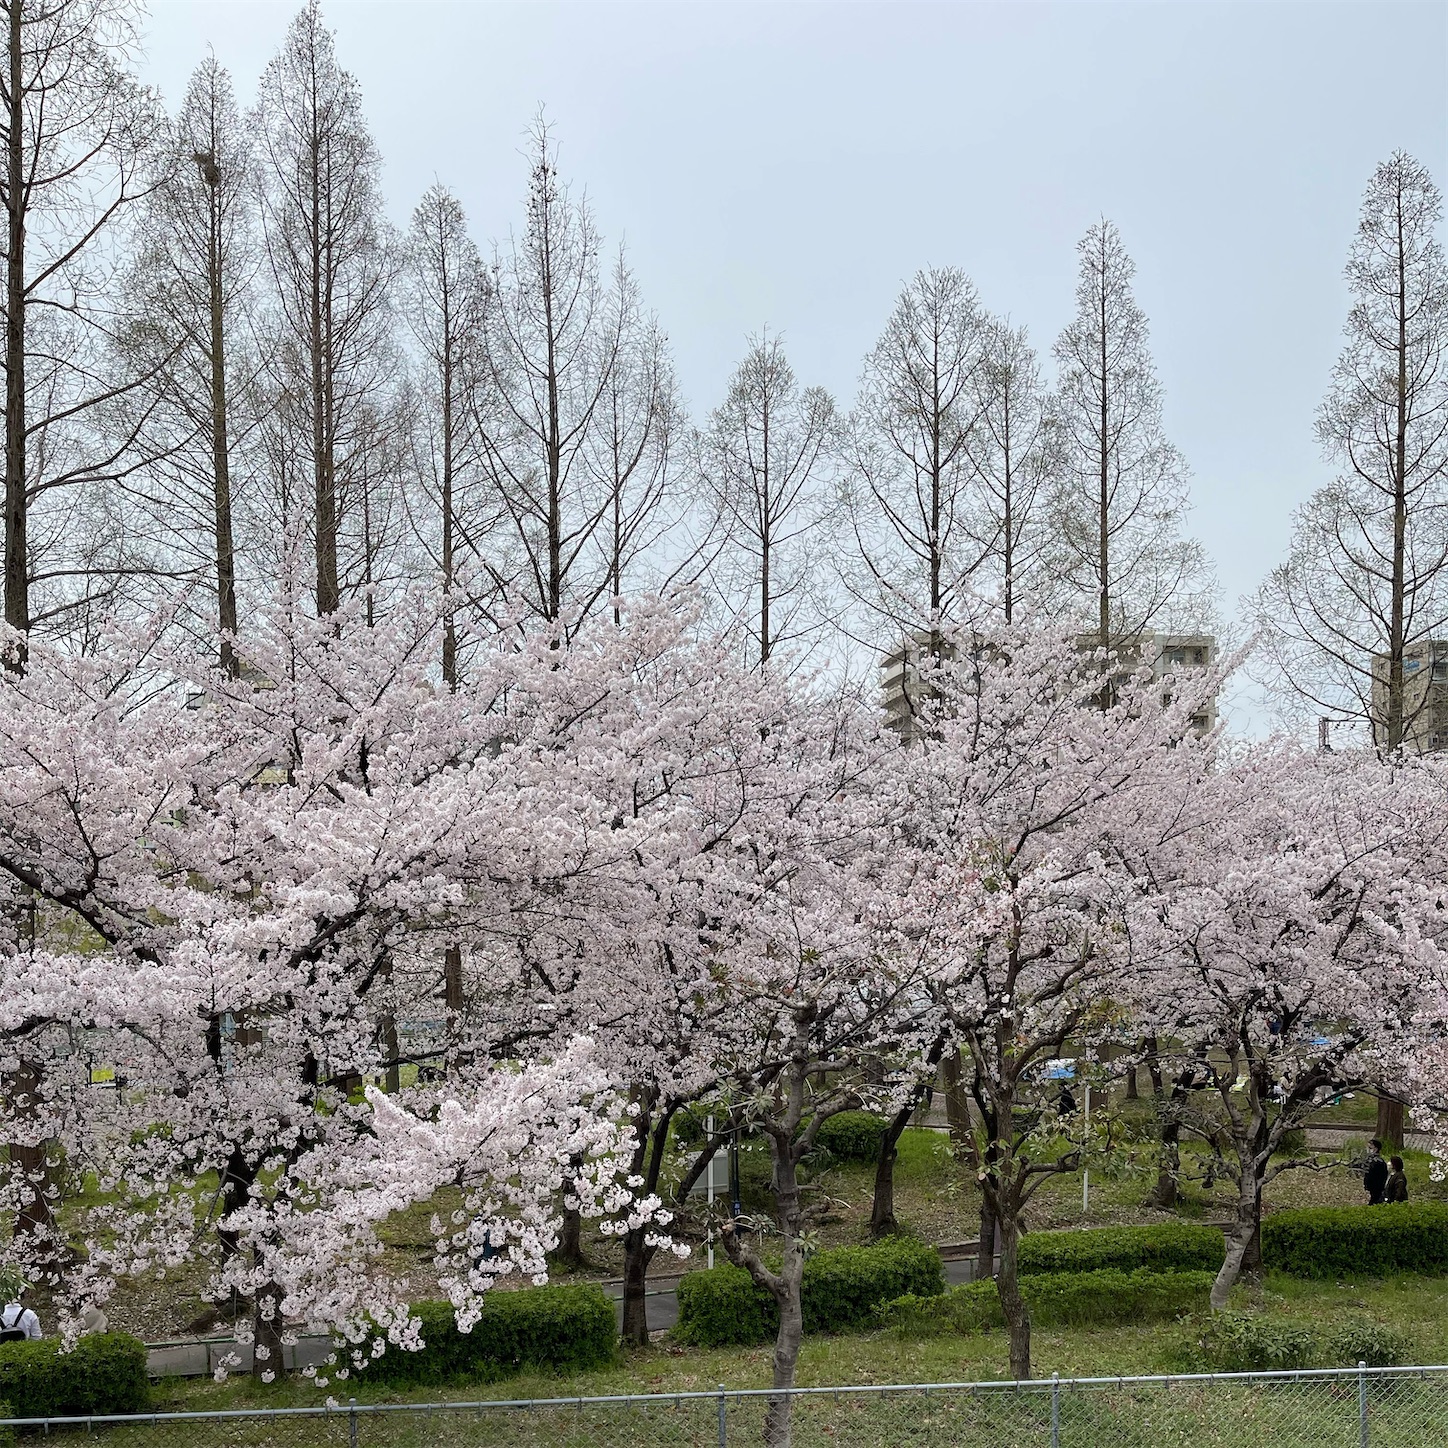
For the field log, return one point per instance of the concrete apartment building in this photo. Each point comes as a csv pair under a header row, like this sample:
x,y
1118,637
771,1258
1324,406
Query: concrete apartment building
x,y
902,690
1425,697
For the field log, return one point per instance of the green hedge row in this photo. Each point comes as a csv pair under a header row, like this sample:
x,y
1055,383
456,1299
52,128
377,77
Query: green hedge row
x,y
566,1329
842,1287
1357,1241
1055,1299
1162,1247
103,1373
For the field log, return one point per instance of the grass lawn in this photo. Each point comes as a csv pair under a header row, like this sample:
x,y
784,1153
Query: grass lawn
x,y
1415,1306
1404,1414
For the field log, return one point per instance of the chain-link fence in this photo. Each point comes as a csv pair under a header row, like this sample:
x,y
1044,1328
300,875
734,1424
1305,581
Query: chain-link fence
x,y
1347,1408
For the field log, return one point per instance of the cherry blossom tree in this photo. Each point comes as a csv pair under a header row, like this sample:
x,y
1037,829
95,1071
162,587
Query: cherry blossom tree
x,y
1009,886
1296,954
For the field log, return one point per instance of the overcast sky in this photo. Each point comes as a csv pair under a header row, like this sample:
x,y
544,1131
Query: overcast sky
x,y
793,164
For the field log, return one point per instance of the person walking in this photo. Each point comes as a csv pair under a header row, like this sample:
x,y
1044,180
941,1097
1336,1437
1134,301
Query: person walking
x,y
1396,1188
17,1322
1375,1173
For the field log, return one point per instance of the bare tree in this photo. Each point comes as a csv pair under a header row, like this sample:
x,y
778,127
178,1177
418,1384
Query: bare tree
x,y
1122,487
1011,452
446,289
764,460
1349,617
911,487
556,341
330,263
188,300
632,451
78,133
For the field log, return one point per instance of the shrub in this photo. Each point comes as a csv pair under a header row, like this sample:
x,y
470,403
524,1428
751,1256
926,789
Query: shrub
x,y
842,1287
7,1433
1367,1342
722,1307
103,1373
1057,1298
1165,1247
1241,1342
1244,1342
566,1329
1357,1241
853,1135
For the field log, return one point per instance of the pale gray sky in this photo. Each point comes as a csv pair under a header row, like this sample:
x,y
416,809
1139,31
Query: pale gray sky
x,y
792,164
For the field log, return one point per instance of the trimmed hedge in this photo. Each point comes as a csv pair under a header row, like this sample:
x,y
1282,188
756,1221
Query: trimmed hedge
x,y
842,1288
1164,1247
1357,1241
102,1373
566,1329
1055,1299
853,1135
1243,1342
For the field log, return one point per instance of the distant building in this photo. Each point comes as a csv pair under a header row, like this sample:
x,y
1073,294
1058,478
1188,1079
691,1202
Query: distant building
x,y
1425,697
903,691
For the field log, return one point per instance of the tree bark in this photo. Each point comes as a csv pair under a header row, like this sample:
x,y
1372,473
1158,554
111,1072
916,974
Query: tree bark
x,y
637,1254
1390,1123
17,557
569,1253
1243,1243
882,1210
267,1343
1013,1305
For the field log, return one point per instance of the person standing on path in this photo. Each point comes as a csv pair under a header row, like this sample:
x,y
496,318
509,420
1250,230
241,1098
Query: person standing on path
x,y
1396,1188
1375,1174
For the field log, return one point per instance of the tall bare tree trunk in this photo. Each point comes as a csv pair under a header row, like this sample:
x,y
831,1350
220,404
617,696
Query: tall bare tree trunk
x,y
17,560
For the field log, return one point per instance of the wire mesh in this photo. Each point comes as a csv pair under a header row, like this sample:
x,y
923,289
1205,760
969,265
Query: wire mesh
x,y
1353,1408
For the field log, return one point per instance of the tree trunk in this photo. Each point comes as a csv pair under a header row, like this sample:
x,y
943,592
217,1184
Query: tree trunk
x,y
882,1212
957,1107
17,555
789,1296
1163,1195
1243,1243
1013,1305
35,1218
1390,1124
637,1254
569,1254
985,1252
267,1346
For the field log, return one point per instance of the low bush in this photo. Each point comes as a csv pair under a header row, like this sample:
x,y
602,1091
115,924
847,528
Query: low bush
x,y
563,1329
1163,1247
1076,1299
853,1135
842,1288
724,1307
1246,1342
103,1373
1357,1241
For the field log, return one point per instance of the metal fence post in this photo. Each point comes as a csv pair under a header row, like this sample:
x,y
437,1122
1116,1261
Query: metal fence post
x,y
1055,1410
723,1420
1363,1404
351,1423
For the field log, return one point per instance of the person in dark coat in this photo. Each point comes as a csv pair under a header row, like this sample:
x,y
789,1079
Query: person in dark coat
x,y
1396,1189
1375,1173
